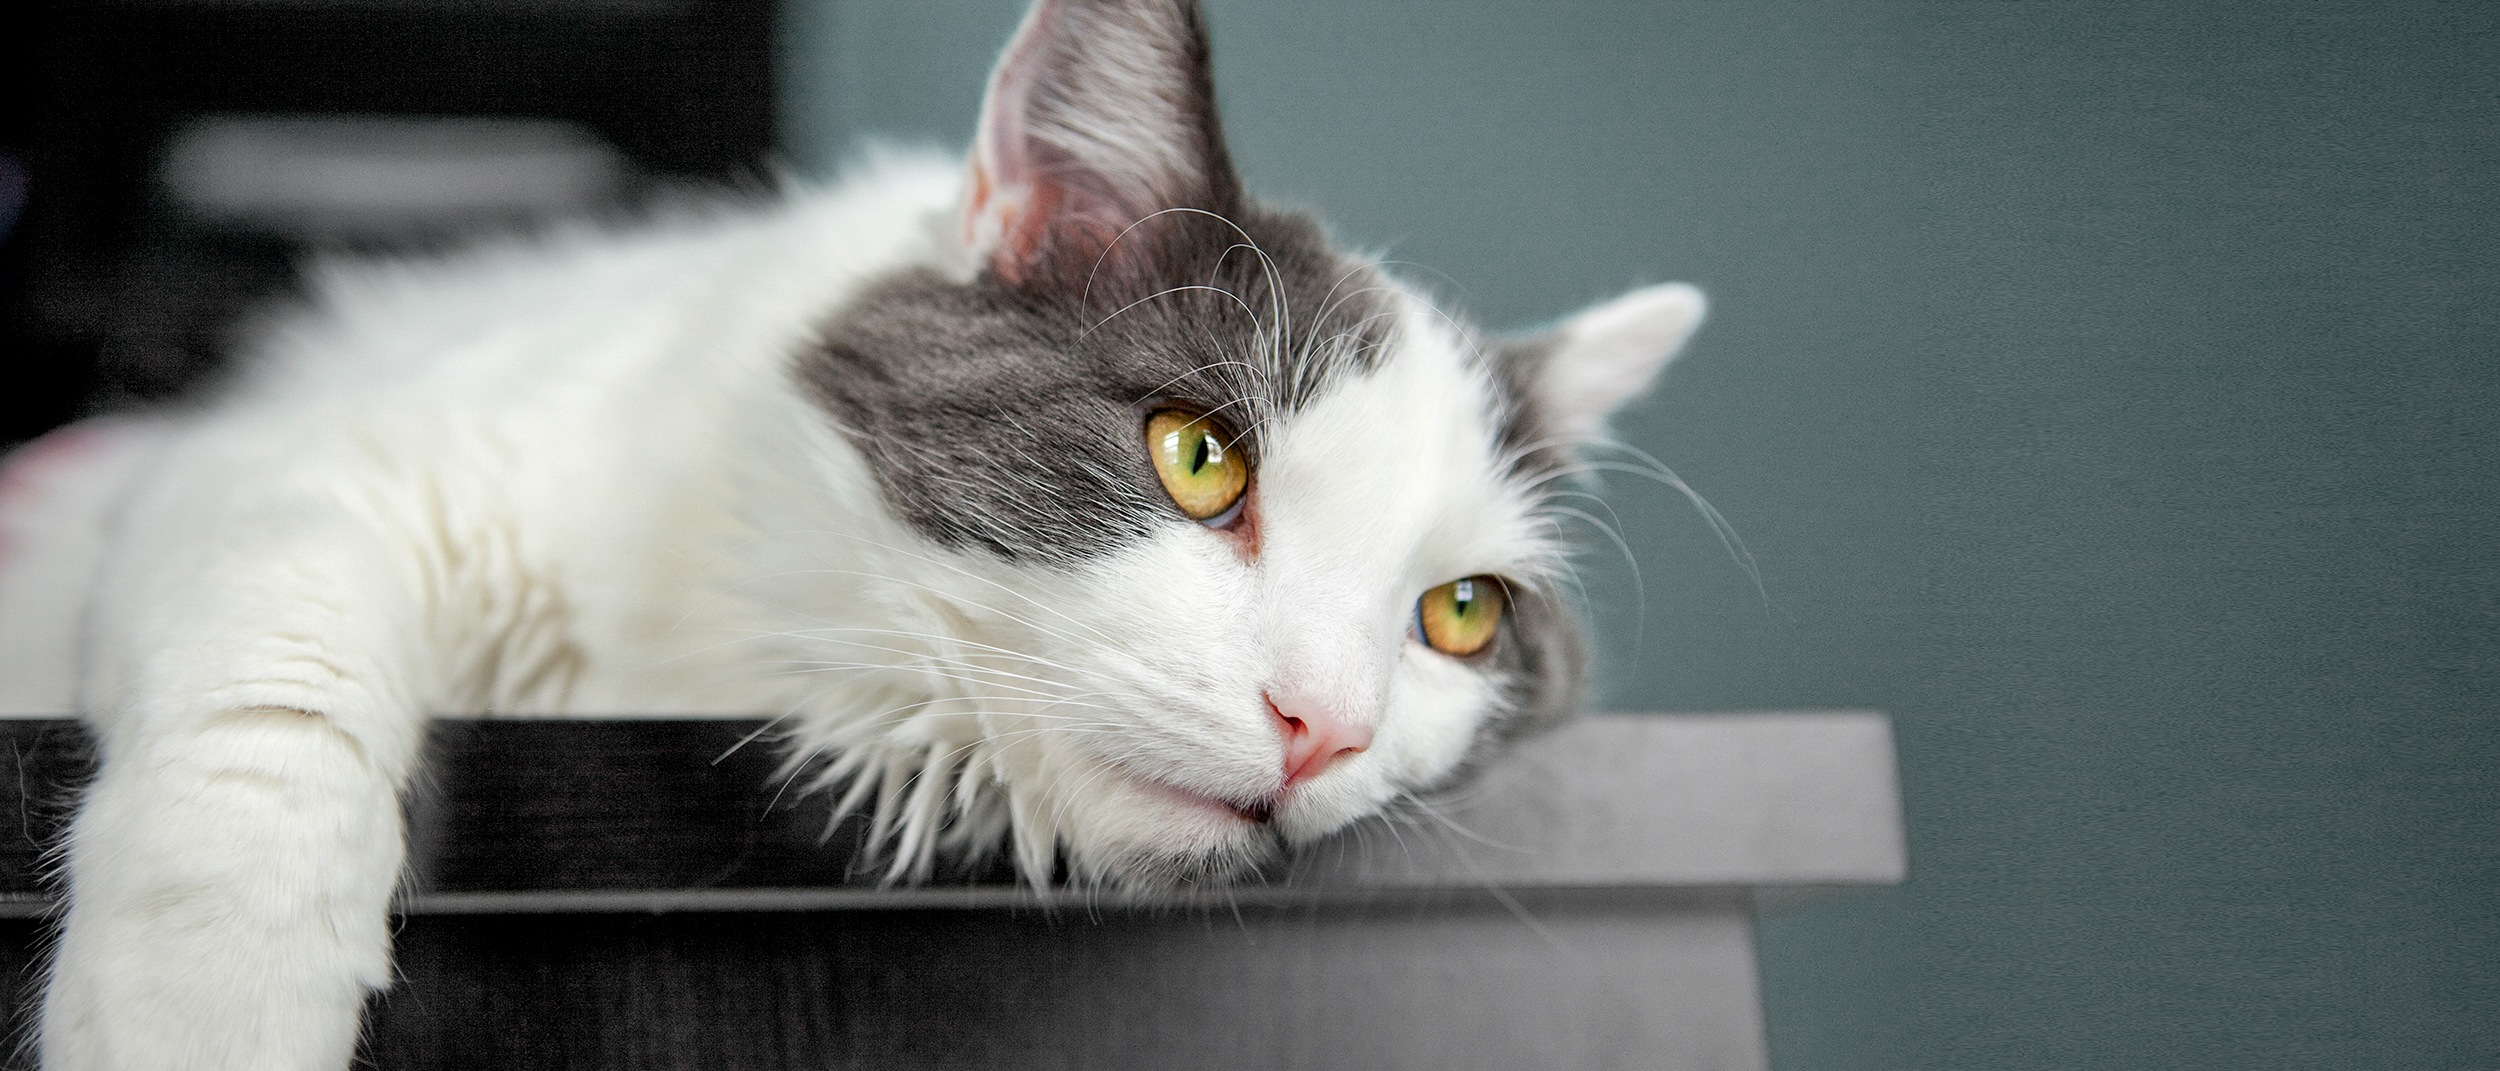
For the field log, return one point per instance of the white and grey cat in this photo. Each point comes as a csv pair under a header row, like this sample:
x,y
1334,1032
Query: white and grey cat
x,y
1067,501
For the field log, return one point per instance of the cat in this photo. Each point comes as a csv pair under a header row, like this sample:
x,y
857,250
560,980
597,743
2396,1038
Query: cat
x,y
1064,500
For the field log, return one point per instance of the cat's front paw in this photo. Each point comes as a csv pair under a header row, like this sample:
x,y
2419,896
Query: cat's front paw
x,y
229,902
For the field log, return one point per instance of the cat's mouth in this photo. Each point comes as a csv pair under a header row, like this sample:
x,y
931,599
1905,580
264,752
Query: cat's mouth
x,y
1257,812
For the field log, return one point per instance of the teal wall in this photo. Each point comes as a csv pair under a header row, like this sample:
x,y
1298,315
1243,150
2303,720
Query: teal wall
x,y
2110,392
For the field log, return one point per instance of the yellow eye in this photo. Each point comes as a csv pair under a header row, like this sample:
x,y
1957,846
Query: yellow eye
x,y
1460,617
1205,475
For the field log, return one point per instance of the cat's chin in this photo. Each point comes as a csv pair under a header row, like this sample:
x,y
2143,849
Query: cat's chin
x,y
1169,838
1152,869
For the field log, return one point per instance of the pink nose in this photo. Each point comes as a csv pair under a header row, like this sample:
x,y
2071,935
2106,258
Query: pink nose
x,y
1315,738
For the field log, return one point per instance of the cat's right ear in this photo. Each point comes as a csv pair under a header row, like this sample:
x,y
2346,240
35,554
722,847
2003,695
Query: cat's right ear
x,y
1603,356
1100,115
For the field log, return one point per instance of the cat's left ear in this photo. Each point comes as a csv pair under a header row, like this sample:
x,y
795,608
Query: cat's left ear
x,y
1100,122
1604,356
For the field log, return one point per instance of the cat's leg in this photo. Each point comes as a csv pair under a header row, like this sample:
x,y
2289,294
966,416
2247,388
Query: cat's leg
x,y
231,868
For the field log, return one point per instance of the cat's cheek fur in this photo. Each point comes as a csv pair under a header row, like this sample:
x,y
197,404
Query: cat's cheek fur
x,y
1166,726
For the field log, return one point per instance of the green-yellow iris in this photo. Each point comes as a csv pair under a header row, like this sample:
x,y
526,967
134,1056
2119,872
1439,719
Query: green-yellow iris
x,y
1461,617
1196,462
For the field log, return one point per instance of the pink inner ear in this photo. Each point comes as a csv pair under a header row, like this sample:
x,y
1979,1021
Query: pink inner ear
x,y
1004,221
1019,221
1008,215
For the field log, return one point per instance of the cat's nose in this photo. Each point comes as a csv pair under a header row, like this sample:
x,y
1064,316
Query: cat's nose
x,y
1316,737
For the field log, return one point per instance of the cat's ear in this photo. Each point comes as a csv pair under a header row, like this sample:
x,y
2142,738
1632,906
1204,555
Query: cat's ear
x,y
1605,355
1101,114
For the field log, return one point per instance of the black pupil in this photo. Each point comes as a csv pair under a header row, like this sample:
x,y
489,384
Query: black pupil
x,y
1464,595
1198,462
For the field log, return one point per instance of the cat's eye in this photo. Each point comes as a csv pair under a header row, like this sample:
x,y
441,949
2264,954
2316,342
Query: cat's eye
x,y
1197,463
1461,617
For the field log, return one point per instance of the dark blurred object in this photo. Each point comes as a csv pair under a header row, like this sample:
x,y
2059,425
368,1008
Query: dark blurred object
x,y
179,157
12,194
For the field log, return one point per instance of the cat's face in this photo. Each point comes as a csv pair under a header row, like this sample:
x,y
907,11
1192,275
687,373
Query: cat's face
x,y
1231,540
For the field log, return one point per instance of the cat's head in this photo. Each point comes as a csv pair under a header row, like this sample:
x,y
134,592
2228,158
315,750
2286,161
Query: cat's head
x,y
1221,538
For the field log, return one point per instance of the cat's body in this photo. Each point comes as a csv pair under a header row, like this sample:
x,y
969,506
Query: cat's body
x,y
935,465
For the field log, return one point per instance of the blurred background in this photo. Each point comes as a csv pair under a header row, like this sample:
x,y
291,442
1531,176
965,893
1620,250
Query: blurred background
x,y
2109,392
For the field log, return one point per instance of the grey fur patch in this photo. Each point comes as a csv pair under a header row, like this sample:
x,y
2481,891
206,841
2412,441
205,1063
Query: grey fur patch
x,y
1012,420
1008,413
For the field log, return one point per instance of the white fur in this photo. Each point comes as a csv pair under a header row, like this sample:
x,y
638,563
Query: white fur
x,y
571,476
512,481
